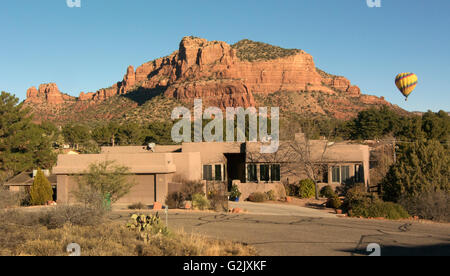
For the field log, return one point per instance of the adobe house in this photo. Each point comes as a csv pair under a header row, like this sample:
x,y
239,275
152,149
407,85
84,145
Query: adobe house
x,y
150,172
154,168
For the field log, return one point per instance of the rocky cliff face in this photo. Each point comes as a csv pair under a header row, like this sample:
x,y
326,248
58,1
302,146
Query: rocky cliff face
x,y
216,72
47,93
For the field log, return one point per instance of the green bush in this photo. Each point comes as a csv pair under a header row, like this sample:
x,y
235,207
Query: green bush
x,y
327,192
422,167
334,202
361,204
200,202
257,197
307,189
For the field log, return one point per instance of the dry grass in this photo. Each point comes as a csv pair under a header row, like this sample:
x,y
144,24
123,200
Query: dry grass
x,y
22,234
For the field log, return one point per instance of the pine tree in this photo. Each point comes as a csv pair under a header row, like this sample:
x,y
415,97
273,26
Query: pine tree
x,y
41,191
23,145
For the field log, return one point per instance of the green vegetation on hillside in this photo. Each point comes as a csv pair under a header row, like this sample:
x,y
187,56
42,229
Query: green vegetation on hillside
x,y
248,50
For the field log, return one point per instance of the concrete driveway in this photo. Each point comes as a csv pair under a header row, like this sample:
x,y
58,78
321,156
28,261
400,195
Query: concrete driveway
x,y
280,210
283,235
285,230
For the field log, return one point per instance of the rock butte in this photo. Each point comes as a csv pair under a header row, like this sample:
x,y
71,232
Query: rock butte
x,y
211,70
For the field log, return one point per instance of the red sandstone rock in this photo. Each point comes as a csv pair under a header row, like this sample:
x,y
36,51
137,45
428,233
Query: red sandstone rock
x,y
48,93
212,71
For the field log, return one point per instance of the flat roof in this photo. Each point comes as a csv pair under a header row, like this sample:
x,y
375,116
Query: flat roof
x,y
136,162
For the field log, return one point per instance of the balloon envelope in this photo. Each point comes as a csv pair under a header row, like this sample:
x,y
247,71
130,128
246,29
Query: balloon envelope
x,y
406,83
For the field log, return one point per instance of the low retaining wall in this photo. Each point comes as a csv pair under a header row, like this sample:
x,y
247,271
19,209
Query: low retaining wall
x,y
248,188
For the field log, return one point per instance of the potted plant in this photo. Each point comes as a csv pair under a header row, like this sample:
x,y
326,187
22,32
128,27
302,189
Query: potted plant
x,y
235,194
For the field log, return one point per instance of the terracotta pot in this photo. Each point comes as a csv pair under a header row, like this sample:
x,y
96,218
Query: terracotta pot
x,y
339,211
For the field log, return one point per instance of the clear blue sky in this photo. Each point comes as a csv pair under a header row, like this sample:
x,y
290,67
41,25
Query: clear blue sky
x,y
88,48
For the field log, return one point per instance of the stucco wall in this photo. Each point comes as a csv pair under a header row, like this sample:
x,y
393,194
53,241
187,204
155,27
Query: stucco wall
x,y
248,188
143,191
189,165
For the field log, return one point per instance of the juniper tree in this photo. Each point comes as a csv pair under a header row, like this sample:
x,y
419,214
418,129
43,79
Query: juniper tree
x,y
41,191
423,167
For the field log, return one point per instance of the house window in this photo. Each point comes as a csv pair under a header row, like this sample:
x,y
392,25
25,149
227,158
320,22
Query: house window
x,y
359,173
264,172
275,173
345,172
207,172
218,173
213,172
252,174
336,174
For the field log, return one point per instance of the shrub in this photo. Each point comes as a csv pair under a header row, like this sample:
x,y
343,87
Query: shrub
x,y
103,181
41,191
431,205
218,201
361,204
190,188
307,189
73,215
422,167
200,202
10,199
327,192
334,202
235,193
270,195
291,189
175,200
257,197
137,206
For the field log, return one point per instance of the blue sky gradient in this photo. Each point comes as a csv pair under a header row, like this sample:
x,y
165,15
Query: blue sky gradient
x,y
88,48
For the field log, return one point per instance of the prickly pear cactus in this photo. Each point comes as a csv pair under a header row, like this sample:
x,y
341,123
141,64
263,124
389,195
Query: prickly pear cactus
x,y
147,225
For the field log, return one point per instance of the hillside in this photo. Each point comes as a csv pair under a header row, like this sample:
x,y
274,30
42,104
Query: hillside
x,y
245,74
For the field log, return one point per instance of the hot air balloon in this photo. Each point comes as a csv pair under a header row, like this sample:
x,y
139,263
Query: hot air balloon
x,y
406,83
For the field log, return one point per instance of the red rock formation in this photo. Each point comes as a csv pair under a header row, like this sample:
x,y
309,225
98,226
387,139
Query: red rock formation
x,y
47,93
129,81
211,70
342,84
